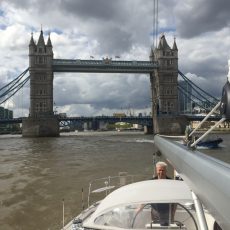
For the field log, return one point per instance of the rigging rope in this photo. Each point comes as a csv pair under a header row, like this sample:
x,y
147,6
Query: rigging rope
x,y
155,22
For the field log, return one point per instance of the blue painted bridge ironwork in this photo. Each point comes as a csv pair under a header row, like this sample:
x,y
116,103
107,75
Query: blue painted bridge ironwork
x,y
145,120
103,66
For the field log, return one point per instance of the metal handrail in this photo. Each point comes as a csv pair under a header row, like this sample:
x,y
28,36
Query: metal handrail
x,y
208,177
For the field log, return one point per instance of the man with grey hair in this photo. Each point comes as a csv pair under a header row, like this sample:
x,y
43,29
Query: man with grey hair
x,y
162,210
161,170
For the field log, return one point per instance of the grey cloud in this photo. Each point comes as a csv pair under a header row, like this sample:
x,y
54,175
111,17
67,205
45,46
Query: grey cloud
x,y
116,25
111,92
39,5
114,41
112,23
201,16
208,67
211,76
91,9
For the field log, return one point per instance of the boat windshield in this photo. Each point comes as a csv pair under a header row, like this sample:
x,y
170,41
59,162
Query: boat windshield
x,y
152,216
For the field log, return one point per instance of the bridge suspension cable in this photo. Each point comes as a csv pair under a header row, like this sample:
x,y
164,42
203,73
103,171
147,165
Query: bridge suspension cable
x,y
14,86
196,86
200,97
16,79
188,96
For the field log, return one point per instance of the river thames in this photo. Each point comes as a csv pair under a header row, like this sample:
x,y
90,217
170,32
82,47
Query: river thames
x,y
36,174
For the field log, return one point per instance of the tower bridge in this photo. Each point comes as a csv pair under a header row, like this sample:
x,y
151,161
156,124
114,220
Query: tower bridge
x,y
162,69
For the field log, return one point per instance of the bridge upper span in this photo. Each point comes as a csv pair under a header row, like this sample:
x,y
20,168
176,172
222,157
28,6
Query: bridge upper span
x,y
103,66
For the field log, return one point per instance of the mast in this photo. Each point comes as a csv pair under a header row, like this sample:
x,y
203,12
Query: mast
x,y
155,23
229,70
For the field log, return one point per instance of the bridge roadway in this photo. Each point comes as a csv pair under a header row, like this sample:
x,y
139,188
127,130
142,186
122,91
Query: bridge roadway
x,y
103,66
144,120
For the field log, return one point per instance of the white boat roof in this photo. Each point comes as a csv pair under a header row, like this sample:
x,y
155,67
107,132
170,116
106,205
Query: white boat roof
x,y
144,192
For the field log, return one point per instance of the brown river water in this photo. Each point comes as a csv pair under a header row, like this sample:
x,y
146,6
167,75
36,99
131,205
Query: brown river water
x,y
36,174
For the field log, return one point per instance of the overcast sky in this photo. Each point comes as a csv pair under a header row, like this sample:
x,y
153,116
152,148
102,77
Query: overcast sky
x,y
109,28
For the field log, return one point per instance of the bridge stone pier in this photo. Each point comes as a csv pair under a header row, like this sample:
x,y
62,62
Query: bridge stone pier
x,y
162,68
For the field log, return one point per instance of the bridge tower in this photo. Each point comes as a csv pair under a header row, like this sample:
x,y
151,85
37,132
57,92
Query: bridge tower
x,y
166,119
41,120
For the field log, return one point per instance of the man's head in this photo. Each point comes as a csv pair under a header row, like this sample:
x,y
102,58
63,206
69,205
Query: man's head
x,y
161,169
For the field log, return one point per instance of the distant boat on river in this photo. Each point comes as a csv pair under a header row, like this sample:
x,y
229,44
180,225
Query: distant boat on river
x,y
210,143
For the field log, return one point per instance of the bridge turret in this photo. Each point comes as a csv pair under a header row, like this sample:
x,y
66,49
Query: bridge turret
x,y
175,54
163,43
32,50
41,42
49,51
49,46
174,45
32,45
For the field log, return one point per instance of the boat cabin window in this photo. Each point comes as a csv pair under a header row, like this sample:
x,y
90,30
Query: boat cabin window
x,y
150,216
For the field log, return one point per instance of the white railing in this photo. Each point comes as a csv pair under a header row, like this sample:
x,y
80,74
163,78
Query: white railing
x,y
103,186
